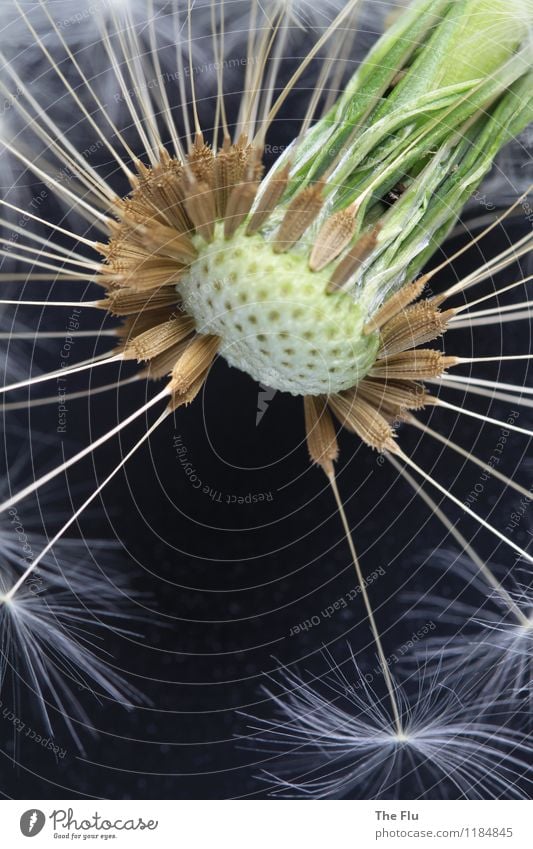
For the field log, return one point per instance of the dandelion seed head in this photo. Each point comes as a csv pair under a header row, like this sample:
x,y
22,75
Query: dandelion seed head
x,y
258,285
293,338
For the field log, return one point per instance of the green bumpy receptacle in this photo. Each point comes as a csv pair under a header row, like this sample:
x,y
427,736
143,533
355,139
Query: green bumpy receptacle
x,y
274,318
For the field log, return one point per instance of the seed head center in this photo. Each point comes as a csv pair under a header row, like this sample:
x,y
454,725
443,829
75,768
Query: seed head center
x,y
274,318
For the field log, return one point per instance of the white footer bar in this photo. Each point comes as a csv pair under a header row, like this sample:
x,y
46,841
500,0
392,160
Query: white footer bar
x,y
267,824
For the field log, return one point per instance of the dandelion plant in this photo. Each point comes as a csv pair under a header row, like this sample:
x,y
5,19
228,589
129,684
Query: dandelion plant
x,y
317,277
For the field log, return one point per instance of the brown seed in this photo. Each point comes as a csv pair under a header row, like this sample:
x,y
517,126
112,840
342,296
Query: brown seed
x,y
360,417
134,325
200,206
157,339
159,197
391,398
129,301
168,242
354,259
147,274
195,359
201,161
335,234
239,205
320,433
230,166
420,364
300,215
163,363
269,200
188,397
395,304
415,326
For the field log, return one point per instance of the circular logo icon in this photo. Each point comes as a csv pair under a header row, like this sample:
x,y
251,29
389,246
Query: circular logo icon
x,y
32,822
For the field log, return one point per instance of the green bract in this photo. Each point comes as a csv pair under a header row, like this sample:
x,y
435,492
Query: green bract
x,y
422,118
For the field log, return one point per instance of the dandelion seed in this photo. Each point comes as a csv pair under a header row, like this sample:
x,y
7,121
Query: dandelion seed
x,y
51,642
334,737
